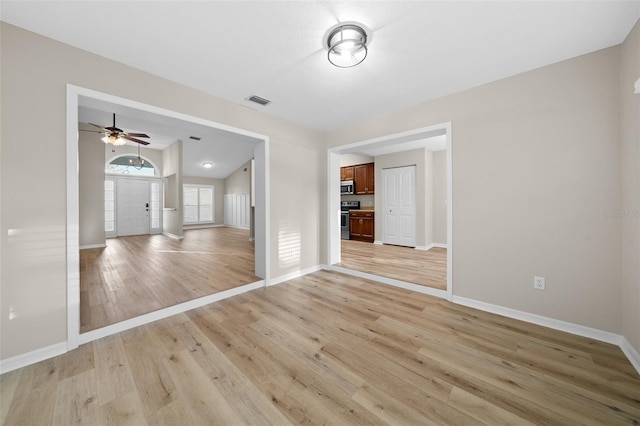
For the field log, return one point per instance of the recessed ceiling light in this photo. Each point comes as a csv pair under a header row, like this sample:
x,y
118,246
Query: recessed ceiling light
x,y
207,165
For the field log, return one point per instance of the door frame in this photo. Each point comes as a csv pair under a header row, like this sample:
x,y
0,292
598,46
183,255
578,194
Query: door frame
x,y
415,210
262,215
333,253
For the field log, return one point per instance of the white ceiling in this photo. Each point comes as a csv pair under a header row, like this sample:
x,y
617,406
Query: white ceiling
x,y
418,51
227,151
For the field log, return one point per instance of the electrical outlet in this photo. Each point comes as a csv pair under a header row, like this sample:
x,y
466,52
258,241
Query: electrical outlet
x,y
538,283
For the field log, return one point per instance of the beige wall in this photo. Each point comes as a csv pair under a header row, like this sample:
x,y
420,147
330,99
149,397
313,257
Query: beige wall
x,y
440,197
239,182
218,192
536,161
91,189
630,72
413,157
172,214
35,72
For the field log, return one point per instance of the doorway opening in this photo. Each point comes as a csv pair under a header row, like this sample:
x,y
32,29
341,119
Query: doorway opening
x,y
428,140
77,96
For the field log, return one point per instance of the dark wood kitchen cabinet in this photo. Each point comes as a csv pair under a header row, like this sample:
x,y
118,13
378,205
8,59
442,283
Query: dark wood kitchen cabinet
x,y
364,179
346,173
361,226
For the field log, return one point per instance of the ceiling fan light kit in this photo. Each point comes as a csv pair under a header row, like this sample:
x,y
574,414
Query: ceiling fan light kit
x,y
347,45
116,136
114,140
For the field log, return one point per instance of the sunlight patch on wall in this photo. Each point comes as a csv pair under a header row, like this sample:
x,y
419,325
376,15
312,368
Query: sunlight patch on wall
x,y
288,244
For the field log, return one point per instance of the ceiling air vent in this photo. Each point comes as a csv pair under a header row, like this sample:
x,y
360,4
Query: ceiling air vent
x,y
259,100
195,138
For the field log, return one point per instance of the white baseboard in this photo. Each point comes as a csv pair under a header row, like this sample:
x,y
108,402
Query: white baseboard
x,y
430,246
631,353
389,281
185,227
167,312
32,357
174,236
377,242
92,246
237,227
569,327
292,275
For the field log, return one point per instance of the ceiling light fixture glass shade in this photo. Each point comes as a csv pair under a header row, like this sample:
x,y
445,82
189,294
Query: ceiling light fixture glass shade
x,y
114,140
207,165
347,45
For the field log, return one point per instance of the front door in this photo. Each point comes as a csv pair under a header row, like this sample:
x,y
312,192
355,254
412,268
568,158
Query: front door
x,y
399,201
133,206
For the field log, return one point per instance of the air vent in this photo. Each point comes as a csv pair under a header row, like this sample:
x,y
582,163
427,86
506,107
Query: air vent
x,y
195,138
259,100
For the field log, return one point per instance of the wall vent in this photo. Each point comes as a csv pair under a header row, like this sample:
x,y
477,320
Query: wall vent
x,y
195,138
259,100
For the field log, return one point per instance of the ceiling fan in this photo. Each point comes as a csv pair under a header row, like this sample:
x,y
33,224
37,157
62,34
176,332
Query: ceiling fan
x,y
116,136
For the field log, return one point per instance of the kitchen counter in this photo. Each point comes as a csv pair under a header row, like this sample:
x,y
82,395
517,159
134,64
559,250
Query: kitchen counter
x,y
366,210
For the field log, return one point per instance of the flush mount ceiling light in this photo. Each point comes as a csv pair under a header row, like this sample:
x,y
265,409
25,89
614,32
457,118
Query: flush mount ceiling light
x,y
347,44
207,165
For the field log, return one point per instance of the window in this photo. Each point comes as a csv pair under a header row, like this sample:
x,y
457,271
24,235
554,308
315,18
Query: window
x,y
155,205
109,207
198,204
122,166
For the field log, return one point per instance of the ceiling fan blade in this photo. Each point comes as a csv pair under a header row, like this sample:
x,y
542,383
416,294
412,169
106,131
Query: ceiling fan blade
x,y
92,131
99,127
135,140
138,135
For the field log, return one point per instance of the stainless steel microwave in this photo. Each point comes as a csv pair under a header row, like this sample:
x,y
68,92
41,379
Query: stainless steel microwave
x,y
346,187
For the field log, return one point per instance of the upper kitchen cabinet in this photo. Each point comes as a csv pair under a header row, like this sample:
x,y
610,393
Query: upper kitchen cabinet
x,y
346,173
364,179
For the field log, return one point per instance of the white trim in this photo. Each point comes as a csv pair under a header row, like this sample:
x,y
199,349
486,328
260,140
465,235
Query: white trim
x,y
636,87
92,246
166,312
389,281
630,352
263,224
195,226
568,327
73,220
293,275
32,357
430,246
237,227
174,236
377,242
333,197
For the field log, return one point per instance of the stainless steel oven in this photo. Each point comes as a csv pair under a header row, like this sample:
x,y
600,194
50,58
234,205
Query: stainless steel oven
x,y
345,206
346,187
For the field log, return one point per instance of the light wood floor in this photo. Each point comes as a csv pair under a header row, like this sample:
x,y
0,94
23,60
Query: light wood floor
x,y
329,349
427,268
140,274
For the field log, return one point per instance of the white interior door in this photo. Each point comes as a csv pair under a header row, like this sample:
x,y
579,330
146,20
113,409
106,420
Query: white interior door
x,y
132,207
399,201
